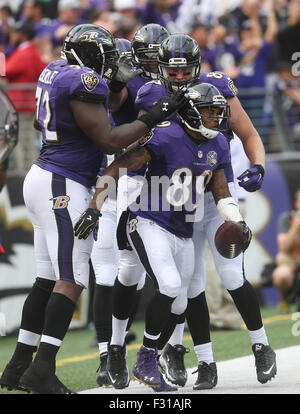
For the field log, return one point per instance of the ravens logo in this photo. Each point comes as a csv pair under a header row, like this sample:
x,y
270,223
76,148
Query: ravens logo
x,y
89,80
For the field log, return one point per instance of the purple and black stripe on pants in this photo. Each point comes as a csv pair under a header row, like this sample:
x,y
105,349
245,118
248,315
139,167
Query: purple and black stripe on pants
x,y
65,231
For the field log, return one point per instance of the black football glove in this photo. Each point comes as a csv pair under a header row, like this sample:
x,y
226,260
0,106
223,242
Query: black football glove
x,y
164,108
126,72
87,223
247,233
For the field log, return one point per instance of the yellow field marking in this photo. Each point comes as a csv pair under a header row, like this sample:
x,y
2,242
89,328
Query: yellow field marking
x,y
66,361
274,318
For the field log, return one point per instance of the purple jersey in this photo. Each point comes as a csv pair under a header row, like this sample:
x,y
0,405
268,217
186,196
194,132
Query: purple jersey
x,y
183,166
66,149
129,112
152,91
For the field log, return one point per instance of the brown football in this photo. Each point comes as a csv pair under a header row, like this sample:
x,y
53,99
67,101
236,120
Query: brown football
x,y
229,239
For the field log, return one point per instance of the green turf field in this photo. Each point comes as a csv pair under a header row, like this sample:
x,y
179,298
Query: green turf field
x,y
77,361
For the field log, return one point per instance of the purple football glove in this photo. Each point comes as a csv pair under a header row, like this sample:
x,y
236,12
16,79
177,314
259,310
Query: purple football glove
x,y
251,179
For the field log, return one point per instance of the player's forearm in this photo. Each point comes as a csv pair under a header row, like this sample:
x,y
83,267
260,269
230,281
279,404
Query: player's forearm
x,y
242,126
131,160
122,136
226,205
219,186
254,149
116,100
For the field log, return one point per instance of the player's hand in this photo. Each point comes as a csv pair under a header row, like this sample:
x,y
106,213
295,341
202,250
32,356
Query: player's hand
x,y
252,179
164,108
247,233
87,223
126,72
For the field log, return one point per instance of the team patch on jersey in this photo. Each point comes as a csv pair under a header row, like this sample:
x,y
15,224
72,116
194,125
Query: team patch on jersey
x,y
60,202
232,86
146,138
211,158
89,80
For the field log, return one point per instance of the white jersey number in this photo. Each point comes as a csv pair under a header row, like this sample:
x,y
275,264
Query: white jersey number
x,y
42,97
179,193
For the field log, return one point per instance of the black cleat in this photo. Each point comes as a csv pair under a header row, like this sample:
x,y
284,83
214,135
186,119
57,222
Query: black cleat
x,y
207,376
117,371
172,362
38,380
265,362
102,378
12,374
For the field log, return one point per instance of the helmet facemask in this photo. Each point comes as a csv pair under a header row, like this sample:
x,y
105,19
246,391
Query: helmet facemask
x,y
145,44
179,52
165,73
145,58
204,117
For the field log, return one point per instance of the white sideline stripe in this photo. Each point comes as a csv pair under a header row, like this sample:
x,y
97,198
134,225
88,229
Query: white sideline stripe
x,y
235,376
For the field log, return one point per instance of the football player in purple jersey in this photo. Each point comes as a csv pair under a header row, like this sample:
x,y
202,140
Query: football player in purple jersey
x,y
71,113
142,52
179,62
144,49
156,231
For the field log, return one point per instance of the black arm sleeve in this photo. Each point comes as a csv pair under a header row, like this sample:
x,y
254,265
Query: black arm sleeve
x,y
89,98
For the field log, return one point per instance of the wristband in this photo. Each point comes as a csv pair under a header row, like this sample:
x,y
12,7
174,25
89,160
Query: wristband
x,y
260,169
228,209
147,119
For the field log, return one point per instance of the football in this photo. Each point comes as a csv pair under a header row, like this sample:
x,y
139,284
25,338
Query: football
x,y
229,239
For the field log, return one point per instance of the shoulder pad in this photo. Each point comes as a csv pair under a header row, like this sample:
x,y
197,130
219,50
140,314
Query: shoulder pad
x,y
153,82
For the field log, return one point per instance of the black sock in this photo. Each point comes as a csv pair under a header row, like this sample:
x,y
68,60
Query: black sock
x,y
137,299
23,352
168,329
46,356
33,312
102,309
246,301
157,313
58,316
123,300
197,317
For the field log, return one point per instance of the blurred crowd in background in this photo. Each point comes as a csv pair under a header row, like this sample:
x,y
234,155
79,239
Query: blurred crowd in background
x,y
255,42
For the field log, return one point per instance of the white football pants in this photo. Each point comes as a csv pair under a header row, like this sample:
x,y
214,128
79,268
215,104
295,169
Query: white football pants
x,y
166,258
55,203
105,255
